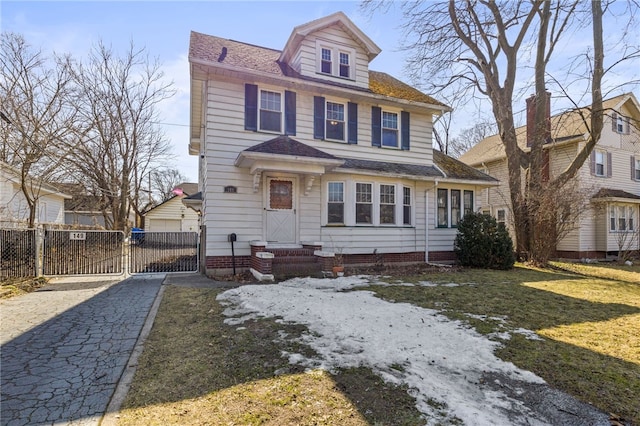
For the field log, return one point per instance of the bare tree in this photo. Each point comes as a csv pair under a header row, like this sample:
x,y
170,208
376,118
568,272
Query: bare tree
x,y
123,143
469,137
476,48
37,126
165,181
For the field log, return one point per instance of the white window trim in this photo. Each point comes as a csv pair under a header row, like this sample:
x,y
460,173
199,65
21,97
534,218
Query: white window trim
x,y
349,187
629,215
449,204
281,92
344,203
398,129
636,169
345,120
335,59
395,203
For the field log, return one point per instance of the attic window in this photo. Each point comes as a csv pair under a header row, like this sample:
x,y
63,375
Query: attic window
x,y
334,60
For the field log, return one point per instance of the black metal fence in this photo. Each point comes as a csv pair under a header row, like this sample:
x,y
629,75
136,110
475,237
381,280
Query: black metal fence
x,y
71,252
18,253
163,252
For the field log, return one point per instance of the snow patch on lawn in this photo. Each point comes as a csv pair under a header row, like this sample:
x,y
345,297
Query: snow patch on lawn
x,y
440,359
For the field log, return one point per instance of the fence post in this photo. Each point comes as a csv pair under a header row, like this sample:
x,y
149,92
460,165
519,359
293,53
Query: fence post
x,y
126,255
39,242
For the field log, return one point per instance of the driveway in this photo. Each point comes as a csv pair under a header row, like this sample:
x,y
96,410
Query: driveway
x,y
65,347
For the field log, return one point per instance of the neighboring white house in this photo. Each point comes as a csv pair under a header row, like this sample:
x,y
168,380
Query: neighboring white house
x,y
611,176
305,149
14,210
172,215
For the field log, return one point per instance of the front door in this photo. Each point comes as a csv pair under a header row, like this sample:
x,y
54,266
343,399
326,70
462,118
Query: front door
x,y
281,210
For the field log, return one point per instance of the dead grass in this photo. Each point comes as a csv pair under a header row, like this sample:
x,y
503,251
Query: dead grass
x,y
12,287
590,346
613,271
195,369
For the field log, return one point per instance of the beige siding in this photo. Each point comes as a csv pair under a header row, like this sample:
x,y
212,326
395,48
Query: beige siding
x,y
172,210
306,61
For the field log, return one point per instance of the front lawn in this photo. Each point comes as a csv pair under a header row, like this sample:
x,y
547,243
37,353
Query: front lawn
x,y
195,368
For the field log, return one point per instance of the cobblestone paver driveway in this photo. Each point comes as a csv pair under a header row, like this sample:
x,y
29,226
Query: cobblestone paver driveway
x,y
63,351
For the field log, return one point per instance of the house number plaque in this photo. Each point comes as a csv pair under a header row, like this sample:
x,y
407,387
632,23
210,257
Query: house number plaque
x,y
78,236
230,189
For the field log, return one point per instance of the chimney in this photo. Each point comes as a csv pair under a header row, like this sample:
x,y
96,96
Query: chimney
x,y
531,119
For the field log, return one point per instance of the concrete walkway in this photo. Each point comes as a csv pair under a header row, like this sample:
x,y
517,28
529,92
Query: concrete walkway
x,y
64,348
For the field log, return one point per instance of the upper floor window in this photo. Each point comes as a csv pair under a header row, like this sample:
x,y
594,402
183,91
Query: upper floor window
x,y
335,121
270,111
389,129
600,163
635,168
334,60
620,123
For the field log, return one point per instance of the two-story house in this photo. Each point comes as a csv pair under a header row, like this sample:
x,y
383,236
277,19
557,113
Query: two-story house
x,y
610,178
305,150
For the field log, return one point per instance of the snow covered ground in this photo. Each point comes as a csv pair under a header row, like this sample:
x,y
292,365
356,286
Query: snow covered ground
x,y
444,362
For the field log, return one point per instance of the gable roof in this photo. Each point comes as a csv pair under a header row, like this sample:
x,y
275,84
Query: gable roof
x,y
565,126
609,194
301,31
11,174
456,169
217,51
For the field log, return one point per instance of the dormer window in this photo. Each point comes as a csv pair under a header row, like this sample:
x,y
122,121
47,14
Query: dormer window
x,y
344,65
325,65
335,61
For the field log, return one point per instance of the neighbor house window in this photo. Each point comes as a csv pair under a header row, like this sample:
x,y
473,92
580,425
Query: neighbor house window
x,y
406,205
389,129
335,121
364,203
387,204
443,208
501,217
600,162
270,111
344,65
468,202
335,203
621,218
636,170
325,62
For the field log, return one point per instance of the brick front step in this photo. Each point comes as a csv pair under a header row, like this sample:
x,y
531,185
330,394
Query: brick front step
x,y
297,269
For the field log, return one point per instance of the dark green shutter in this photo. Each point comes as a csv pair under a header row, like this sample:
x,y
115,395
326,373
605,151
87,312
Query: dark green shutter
x,y
289,113
318,117
251,107
376,126
352,110
404,123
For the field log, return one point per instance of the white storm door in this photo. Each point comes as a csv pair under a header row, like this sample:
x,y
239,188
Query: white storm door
x,y
281,210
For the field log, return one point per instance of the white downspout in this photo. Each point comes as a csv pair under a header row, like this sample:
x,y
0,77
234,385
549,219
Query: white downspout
x,y
426,226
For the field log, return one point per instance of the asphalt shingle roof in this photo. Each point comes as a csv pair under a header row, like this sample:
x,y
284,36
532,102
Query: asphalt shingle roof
x,y
615,193
250,57
284,145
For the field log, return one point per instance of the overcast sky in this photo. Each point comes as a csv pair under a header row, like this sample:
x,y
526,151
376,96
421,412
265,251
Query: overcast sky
x,y
163,28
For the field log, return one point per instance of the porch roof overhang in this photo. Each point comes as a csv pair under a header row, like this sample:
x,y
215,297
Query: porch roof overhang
x,y
608,195
284,154
194,202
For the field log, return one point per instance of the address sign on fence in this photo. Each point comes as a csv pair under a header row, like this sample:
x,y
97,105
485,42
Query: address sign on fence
x,y
78,236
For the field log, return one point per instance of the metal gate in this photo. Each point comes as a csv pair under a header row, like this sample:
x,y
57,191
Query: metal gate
x,y
18,253
82,252
163,252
